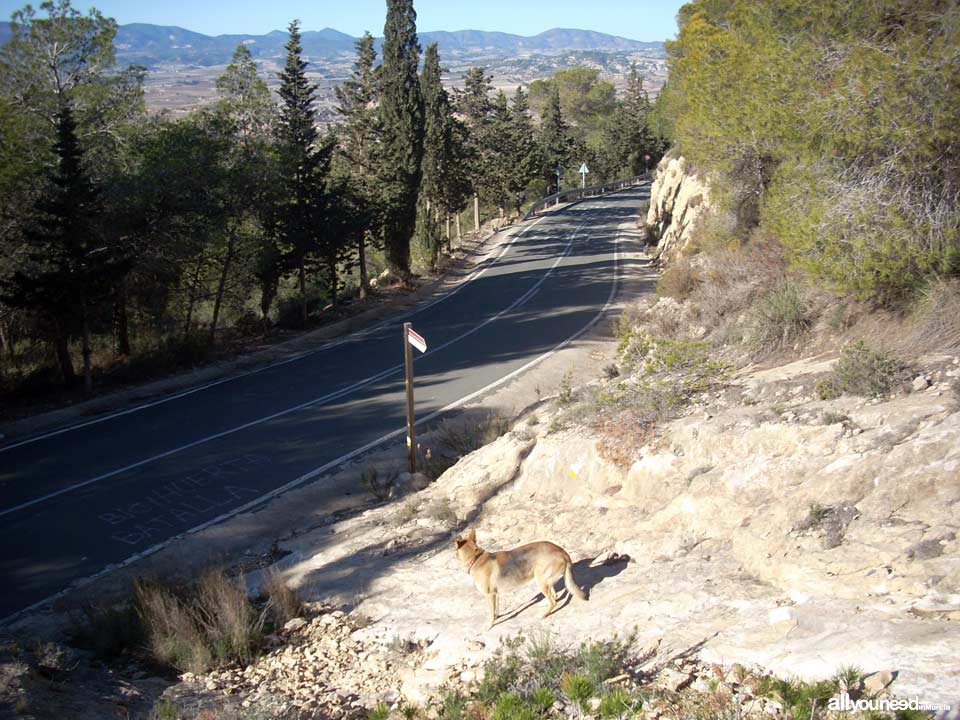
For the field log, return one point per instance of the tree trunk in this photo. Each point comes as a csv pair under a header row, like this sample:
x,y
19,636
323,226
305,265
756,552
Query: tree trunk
x,y
476,213
221,285
459,227
87,364
303,289
6,342
362,262
194,291
268,291
332,267
61,342
121,324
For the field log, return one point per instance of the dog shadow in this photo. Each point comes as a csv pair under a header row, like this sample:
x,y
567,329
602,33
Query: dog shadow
x,y
587,577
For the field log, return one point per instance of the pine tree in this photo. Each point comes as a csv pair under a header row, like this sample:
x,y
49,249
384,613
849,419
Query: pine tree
x,y
359,135
304,165
244,115
70,270
555,141
401,115
632,141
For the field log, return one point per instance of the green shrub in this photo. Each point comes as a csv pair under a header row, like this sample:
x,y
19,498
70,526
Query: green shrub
x,y
542,699
861,370
780,319
511,706
618,704
578,688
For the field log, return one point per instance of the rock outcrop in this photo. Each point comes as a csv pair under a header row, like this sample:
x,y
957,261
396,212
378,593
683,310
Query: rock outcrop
x,y
678,198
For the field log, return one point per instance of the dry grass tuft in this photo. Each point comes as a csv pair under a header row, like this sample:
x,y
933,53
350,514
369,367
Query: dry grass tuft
x,y
283,603
936,316
194,629
678,280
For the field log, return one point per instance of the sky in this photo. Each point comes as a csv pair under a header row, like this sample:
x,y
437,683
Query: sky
x,y
634,19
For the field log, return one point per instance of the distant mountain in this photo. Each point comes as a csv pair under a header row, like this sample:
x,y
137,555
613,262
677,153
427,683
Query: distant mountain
x,y
153,45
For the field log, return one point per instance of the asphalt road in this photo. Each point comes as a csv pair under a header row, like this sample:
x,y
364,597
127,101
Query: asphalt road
x,y
75,502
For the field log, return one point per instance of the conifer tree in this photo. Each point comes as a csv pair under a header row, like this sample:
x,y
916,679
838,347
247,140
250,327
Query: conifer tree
x,y
304,165
475,106
631,141
401,116
525,154
69,270
555,141
444,183
359,134
244,116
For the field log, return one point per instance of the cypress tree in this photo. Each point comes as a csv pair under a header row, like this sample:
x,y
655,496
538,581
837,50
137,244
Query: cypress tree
x,y
401,116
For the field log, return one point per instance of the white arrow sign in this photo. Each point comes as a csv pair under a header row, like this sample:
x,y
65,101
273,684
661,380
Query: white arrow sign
x,y
416,340
583,169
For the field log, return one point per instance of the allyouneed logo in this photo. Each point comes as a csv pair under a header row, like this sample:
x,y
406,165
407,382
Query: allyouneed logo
x,y
844,702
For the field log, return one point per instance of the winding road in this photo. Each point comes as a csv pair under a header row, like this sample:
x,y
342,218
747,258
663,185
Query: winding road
x,y
76,501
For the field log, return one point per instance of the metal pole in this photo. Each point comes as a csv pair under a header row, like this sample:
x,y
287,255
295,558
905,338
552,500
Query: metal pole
x,y
408,361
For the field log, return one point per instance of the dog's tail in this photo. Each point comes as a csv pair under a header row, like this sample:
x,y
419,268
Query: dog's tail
x,y
571,584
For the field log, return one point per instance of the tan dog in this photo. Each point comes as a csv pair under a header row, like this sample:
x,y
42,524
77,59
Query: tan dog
x,y
495,571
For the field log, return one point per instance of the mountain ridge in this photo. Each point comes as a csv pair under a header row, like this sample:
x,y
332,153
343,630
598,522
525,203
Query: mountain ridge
x,y
150,45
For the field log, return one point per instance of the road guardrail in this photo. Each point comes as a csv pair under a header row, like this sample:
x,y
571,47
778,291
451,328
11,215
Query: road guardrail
x,y
580,193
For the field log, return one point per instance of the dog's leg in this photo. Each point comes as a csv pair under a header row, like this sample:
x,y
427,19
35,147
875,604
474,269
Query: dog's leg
x,y
547,589
492,599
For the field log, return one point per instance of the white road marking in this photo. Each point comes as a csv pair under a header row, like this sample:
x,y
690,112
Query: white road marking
x,y
325,398
338,461
299,356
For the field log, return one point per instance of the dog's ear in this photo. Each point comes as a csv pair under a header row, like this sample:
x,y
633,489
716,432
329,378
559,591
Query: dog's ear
x,y
472,535
459,542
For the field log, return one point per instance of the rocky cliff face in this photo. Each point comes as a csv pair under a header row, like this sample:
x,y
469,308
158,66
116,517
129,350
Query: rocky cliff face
x,y
678,198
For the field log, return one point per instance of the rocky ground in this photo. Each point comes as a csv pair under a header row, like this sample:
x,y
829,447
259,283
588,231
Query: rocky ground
x,y
765,527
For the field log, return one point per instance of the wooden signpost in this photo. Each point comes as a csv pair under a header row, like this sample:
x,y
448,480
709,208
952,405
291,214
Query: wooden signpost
x,y
411,339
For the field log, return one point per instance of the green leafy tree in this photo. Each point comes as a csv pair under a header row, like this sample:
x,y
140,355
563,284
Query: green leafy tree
x,y
304,162
401,118
357,151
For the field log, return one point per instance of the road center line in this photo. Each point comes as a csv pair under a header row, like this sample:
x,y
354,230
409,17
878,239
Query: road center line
x,y
476,274
325,398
